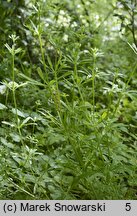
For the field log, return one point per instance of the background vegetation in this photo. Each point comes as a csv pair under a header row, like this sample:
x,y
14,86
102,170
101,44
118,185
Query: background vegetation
x,y
68,99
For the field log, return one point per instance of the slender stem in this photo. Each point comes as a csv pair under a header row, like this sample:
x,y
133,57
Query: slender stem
x,y
57,93
93,84
76,78
43,57
14,95
110,97
13,86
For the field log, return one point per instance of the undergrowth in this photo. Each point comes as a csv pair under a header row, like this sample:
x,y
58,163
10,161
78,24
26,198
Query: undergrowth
x,y
68,120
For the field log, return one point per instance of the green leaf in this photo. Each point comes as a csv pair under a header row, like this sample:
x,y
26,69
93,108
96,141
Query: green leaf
x,y
2,106
8,123
6,143
15,137
40,73
18,112
2,89
9,48
104,115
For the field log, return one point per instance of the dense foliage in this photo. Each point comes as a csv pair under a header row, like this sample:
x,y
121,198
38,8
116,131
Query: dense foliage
x,y
68,99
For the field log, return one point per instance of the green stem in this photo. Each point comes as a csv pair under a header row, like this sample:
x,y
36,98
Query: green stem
x,y
43,57
93,85
14,97
13,86
76,79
